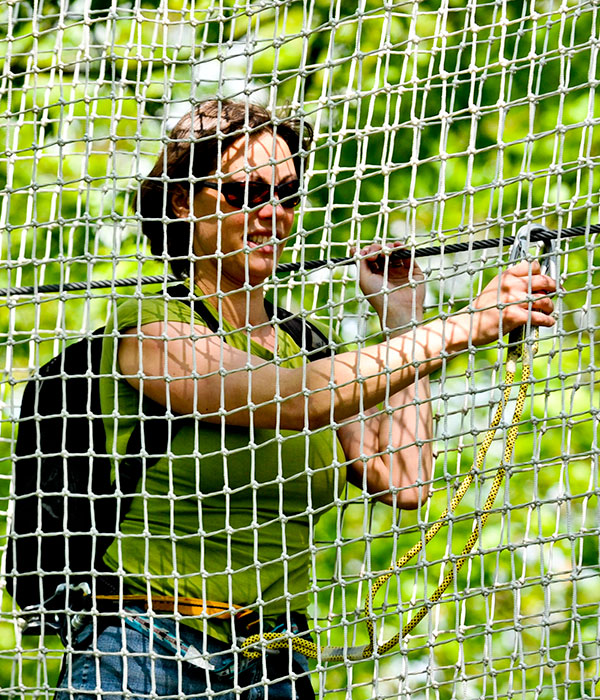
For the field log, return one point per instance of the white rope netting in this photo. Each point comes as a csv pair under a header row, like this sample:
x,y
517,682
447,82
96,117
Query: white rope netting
x,y
434,123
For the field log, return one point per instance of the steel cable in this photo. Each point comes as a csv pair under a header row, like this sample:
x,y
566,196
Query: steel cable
x,y
537,234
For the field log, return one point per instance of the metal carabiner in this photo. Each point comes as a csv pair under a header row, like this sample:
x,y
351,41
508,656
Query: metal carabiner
x,y
520,250
523,242
53,614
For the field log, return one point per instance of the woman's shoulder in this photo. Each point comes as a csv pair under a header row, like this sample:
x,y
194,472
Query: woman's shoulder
x,y
150,307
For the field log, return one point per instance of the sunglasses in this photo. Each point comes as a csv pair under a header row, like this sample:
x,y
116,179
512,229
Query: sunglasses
x,y
256,193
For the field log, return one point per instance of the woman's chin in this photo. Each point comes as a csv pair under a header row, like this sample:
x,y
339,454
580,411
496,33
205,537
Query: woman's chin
x,y
263,259
258,273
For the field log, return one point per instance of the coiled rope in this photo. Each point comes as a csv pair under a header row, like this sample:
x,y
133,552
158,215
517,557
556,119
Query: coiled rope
x,y
252,646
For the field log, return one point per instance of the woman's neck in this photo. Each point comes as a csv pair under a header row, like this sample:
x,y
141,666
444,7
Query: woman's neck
x,y
238,307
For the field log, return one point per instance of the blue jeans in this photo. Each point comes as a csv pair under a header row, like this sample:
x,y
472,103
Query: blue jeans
x,y
122,659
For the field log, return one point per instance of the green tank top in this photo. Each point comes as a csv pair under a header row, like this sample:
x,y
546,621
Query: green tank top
x,y
229,515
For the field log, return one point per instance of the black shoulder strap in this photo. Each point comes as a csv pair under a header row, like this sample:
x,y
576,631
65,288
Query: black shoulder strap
x,y
303,333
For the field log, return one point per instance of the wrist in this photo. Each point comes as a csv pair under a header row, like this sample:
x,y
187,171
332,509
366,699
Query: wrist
x,y
399,321
456,332
445,337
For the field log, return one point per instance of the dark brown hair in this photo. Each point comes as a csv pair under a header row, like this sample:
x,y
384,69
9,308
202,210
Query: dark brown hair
x,y
202,135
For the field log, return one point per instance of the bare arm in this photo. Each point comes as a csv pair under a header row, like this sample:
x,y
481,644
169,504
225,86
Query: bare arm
x,y
192,371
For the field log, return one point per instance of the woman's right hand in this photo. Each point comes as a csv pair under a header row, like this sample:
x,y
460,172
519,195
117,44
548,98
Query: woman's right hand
x,y
518,295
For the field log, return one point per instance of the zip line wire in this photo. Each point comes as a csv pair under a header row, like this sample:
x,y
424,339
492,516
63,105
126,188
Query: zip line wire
x,y
537,234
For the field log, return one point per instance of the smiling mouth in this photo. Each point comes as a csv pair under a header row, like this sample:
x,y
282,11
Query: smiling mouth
x,y
266,242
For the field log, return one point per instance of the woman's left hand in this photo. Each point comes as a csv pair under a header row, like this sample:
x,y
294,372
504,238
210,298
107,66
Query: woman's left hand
x,y
400,280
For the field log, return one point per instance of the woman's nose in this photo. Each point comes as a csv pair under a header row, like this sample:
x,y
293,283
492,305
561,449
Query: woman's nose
x,y
266,210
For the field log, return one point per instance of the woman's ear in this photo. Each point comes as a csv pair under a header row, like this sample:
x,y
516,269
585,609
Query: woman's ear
x,y
180,202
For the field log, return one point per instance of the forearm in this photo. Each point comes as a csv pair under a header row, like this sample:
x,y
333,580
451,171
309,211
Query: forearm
x,y
408,430
365,378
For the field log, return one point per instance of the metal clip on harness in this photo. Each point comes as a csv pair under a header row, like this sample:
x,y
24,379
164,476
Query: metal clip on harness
x,y
67,606
517,349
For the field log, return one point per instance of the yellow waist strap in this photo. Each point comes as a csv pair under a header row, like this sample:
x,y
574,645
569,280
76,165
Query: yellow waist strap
x,y
184,606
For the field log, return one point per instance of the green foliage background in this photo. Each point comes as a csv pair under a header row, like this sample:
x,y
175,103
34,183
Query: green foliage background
x,y
435,121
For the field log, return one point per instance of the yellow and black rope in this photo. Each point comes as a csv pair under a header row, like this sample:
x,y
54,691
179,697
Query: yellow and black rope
x,y
253,645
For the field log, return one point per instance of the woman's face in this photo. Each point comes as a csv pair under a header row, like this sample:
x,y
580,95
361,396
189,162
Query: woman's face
x,y
250,243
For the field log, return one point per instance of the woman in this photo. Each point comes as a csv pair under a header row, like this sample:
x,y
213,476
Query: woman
x,y
217,540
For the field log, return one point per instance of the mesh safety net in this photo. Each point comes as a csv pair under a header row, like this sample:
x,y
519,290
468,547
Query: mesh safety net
x,y
435,123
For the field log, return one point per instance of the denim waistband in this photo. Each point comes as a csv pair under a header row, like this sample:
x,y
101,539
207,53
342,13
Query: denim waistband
x,y
193,646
